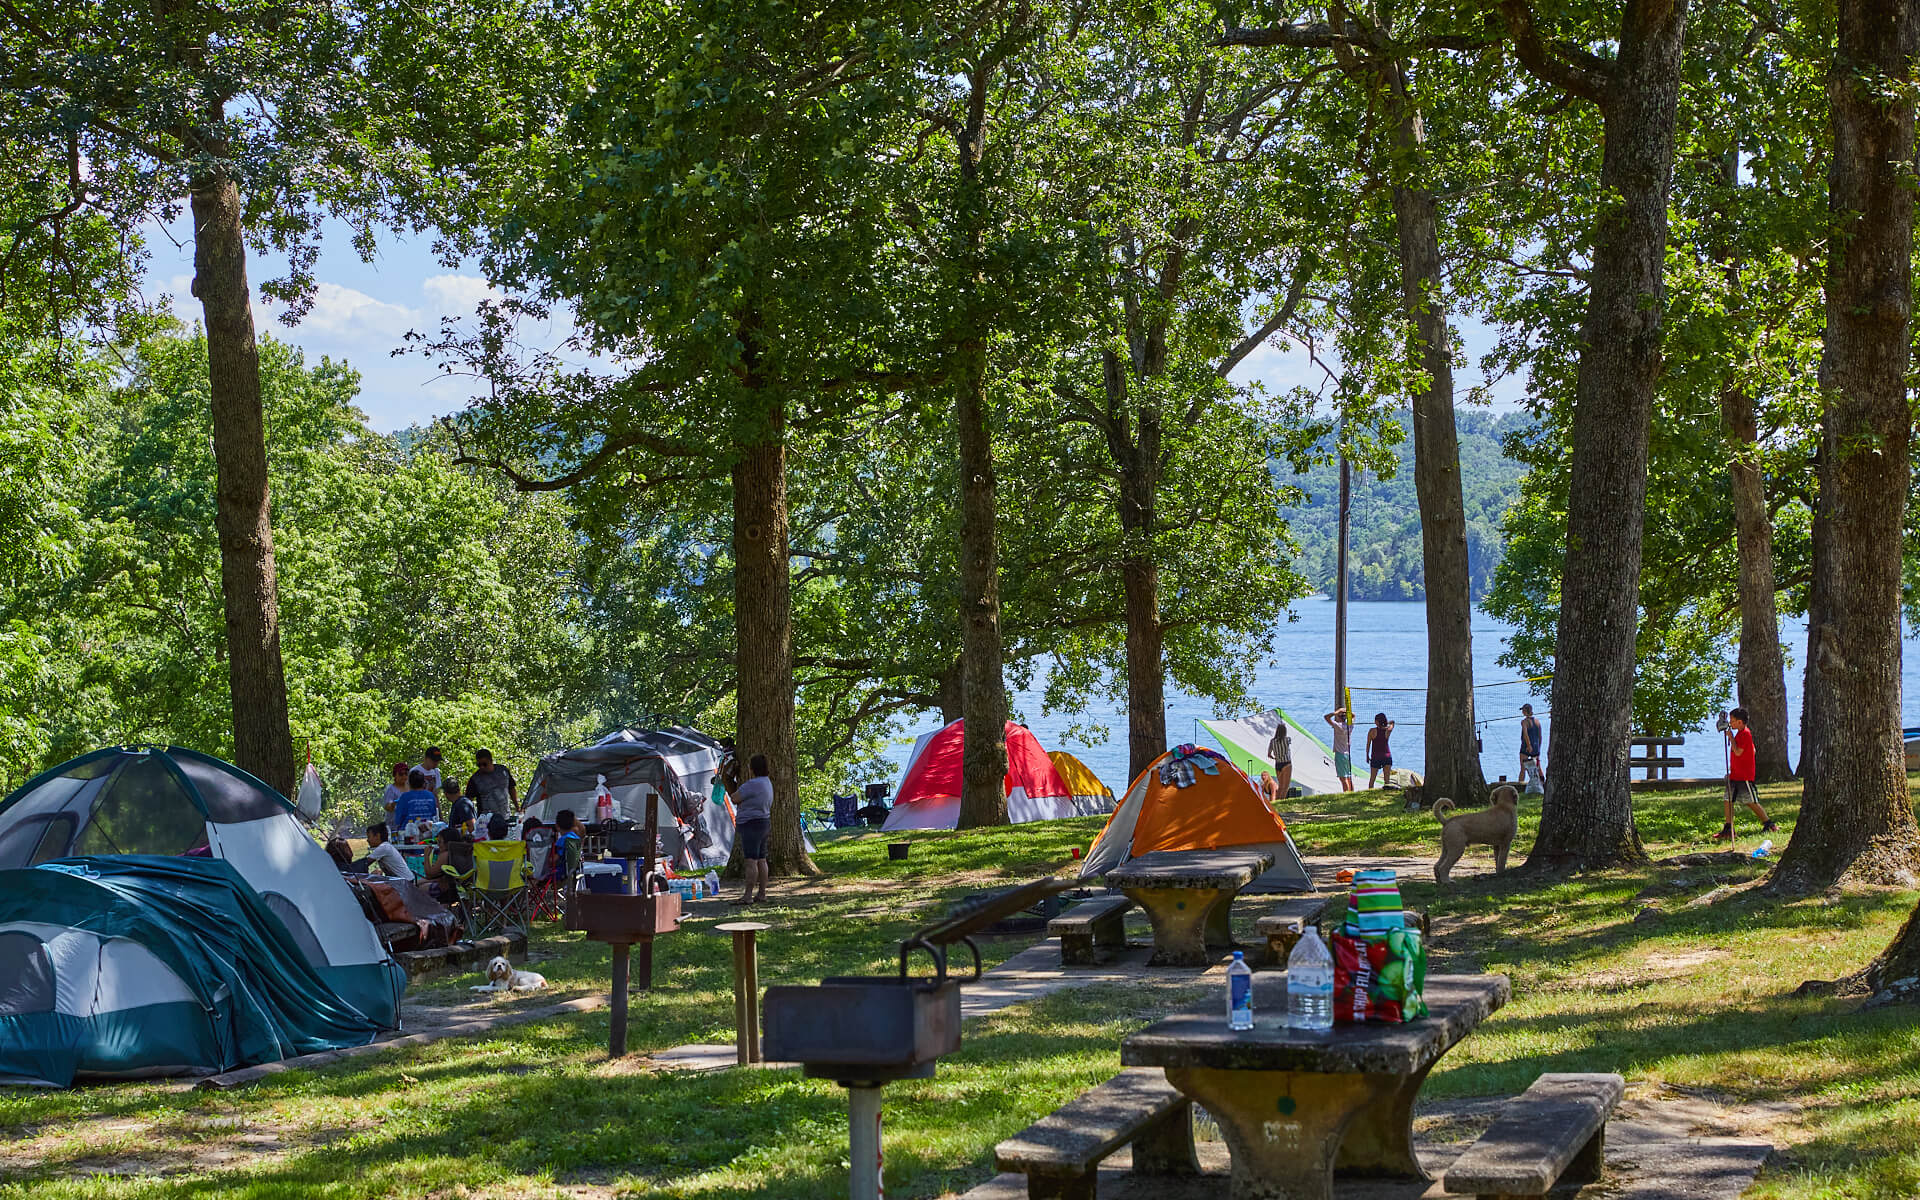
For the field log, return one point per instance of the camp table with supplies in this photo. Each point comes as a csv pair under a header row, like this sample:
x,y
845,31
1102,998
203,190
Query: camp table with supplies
x,y
1295,1107
1188,895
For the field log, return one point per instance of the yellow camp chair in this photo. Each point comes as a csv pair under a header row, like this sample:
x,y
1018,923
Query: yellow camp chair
x,y
498,889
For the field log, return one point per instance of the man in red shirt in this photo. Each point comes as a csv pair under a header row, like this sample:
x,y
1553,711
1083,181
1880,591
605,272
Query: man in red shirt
x,y
1740,763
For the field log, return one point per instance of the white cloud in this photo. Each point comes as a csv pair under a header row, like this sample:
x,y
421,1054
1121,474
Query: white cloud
x,y
456,295
343,314
1281,365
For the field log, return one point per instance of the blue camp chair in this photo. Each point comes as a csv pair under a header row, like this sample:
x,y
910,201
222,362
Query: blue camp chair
x,y
846,812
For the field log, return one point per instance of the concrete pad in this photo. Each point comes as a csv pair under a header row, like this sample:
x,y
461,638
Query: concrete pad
x,y
702,1057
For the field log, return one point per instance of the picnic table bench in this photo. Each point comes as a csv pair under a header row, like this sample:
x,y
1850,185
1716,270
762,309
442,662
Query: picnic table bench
x,y
1294,1107
1655,755
1090,926
1060,1153
1556,1129
1188,895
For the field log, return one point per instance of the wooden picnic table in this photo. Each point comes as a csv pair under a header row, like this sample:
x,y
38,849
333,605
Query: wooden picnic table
x,y
1293,1107
1188,895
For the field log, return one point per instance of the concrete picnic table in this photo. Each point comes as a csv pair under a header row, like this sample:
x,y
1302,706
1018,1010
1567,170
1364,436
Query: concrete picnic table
x,y
1188,895
1294,1107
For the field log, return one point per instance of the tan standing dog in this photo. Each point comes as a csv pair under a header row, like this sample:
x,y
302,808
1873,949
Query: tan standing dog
x,y
1493,826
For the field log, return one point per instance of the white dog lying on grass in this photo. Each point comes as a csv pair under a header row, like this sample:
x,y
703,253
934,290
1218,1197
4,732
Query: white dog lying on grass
x,y
503,978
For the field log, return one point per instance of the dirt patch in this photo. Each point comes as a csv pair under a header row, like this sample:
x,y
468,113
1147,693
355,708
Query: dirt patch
x,y
1680,964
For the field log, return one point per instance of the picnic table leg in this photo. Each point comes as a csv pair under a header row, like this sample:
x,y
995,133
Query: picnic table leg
x,y
1283,1128
1179,917
1379,1142
1220,921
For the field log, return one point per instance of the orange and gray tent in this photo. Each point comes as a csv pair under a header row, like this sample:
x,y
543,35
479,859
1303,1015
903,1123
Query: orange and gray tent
x,y
1089,794
1192,798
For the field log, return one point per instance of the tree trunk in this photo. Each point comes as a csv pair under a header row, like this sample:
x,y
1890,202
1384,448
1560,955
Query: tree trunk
x,y
983,764
1140,578
1587,819
1453,752
983,796
763,621
262,738
1856,817
952,694
1762,670
1137,456
1899,962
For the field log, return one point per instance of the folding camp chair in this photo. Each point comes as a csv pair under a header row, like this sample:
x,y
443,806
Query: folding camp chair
x,y
498,891
846,812
570,879
543,876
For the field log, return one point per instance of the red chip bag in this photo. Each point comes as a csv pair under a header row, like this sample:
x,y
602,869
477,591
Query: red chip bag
x,y
1356,966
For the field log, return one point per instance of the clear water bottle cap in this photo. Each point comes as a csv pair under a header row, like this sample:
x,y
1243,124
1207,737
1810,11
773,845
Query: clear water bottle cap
x,y
1239,955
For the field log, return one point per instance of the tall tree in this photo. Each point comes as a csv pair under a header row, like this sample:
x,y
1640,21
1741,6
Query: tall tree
x,y
1856,816
741,242
1588,814
1199,197
150,106
1372,54
983,692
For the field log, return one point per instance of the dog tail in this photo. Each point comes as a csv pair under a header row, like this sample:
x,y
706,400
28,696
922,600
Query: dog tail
x,y
1441,808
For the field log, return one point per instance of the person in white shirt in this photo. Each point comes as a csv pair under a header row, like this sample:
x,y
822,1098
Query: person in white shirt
x,y
430,763
384,854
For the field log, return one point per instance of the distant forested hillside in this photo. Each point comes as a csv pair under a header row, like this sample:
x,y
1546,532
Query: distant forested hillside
x,y
1385,551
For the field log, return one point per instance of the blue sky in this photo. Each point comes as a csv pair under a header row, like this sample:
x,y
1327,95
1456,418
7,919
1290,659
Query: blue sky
x,y
362,312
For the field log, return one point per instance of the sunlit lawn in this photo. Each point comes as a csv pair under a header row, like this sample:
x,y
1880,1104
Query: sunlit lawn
x,y
1696,998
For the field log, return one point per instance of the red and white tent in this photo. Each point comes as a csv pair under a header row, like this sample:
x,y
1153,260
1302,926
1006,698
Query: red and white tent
x,y
929,793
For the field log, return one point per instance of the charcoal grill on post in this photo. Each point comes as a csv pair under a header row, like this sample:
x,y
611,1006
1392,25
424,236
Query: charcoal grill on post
x,y
864,1032
623,921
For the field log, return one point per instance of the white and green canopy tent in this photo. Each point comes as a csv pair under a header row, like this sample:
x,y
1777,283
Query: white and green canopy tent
x,y
1245,741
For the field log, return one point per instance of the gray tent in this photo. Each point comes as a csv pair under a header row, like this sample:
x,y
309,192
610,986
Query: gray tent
x,y
674,768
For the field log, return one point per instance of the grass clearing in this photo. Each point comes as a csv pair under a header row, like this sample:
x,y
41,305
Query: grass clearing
x,y
1696,999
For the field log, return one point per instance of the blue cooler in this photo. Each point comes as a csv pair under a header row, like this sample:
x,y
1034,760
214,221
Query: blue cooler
x,y
605,878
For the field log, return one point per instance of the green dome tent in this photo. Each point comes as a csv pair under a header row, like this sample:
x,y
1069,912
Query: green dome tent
x,y
162,911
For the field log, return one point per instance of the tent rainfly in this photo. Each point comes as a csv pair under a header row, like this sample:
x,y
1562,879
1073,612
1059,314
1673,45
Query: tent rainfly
x,y
929,793
674,768
1089,794
134,878
1245,741
1196,800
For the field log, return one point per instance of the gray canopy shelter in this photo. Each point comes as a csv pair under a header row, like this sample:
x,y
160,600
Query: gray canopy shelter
x,y
673,768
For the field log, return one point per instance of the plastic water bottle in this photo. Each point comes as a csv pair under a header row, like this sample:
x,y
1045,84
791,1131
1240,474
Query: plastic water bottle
x,y
1310,984
1763,849
713,883
1239,993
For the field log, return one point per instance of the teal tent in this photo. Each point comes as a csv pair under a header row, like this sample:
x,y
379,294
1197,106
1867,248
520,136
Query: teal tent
x,y
148,965
130,878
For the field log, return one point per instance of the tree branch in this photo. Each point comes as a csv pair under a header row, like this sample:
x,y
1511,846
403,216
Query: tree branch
x,y
1560,63
1274,324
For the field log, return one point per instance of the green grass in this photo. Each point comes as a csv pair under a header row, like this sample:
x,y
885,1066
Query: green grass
x,y
1697,998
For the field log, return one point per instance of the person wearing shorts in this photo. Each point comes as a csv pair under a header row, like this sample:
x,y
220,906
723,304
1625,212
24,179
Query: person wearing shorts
x,y
1379,751
1530,768
1342,722
1280,750
753,821
1740,772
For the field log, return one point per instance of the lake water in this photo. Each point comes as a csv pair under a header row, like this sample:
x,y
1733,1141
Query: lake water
x,y
1387,649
